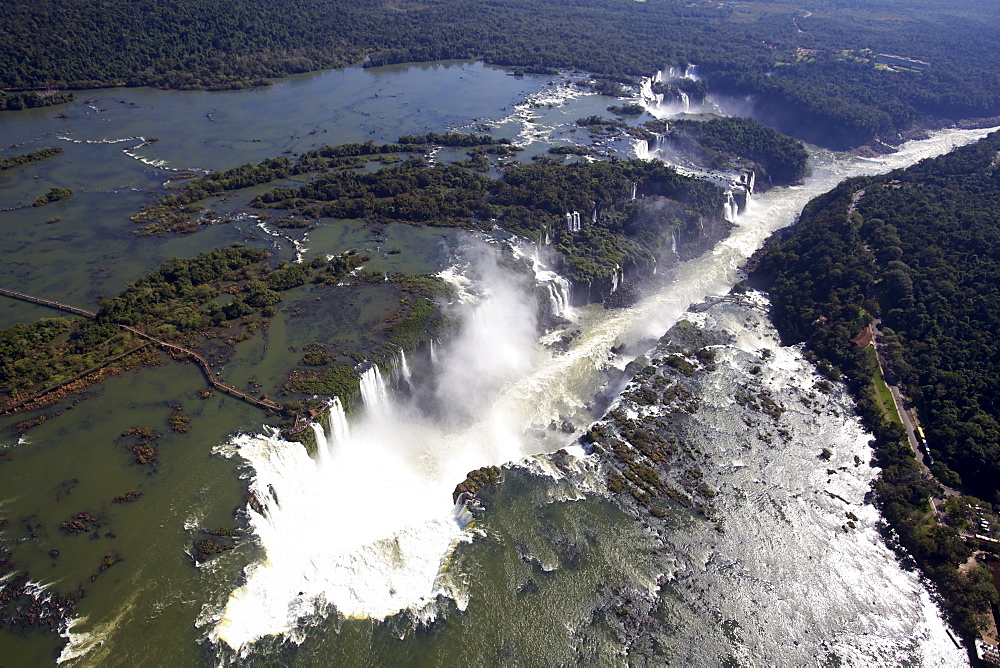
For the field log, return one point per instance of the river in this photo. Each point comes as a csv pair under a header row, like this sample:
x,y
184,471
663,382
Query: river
x,y
361,558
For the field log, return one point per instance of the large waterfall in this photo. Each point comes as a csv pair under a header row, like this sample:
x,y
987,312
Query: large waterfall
x,y
556,287
661,106
364,527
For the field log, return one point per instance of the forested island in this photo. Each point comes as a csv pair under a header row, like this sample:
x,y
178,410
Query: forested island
x,y
913,253
630,212
719,142
25,158
813,69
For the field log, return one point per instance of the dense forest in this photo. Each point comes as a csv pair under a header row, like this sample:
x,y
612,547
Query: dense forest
x,y
775,158
921,252
808,65
29,99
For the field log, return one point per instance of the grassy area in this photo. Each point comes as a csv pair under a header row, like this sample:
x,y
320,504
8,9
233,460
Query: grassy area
x,y
882,390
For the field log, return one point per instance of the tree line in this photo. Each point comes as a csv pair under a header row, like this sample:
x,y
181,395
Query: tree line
x,y
835,98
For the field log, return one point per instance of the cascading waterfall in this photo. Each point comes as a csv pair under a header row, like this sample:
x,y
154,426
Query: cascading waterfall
x,y
557,287
573,221
634,189
494,384
337,426
559,297
404,367
433,349
729,209
336,434
656,103
374,392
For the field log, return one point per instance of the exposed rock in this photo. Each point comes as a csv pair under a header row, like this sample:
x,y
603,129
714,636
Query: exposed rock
x,y
487,477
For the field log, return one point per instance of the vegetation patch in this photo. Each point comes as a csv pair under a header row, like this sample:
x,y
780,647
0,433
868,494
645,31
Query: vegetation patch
x,y
25,158
53,195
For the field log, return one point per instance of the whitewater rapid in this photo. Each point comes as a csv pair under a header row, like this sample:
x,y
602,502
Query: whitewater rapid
x,y
365,528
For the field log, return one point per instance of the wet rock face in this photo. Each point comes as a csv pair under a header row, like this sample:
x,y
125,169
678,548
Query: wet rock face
x,y
81,523
128,497
487,477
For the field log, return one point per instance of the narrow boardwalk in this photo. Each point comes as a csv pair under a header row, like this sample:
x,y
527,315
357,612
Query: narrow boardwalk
x,y
48,302
266,404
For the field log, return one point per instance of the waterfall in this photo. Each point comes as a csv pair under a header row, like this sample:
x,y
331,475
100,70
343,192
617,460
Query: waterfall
x,y
673,242
751,180
593,217
573,221
729,209
559,297
741,199
404,368
337,423
374,392
654,151
336,434
434,354
557,287
657,104
322,446
634,188
615,279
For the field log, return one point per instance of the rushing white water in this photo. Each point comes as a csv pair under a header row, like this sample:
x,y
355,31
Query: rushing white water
x,y
798,584
729,209
374,393
365,527
557,287
404,367
657,104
